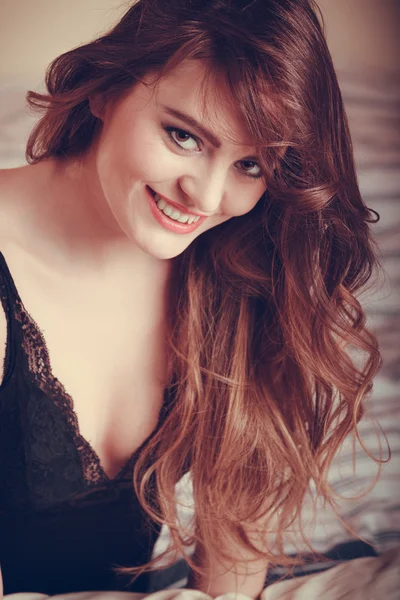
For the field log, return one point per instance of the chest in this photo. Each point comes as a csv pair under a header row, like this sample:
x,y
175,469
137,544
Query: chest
x,y
109,358
113,379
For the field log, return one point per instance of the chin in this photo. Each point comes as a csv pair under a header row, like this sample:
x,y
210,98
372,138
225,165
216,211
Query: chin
x,y
168,254
163,251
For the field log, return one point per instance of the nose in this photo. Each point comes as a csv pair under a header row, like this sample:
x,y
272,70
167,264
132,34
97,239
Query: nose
x,y
204,191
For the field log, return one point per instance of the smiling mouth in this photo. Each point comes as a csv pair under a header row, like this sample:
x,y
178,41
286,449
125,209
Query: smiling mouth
x,y
171,211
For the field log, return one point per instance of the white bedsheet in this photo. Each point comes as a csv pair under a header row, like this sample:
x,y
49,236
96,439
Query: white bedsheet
x,y
359,579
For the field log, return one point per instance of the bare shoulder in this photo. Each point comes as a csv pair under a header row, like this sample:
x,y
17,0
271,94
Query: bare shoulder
x,y
10,178
13,186
5,183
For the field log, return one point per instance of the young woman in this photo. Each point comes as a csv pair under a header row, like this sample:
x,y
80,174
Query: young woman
x,y
178,275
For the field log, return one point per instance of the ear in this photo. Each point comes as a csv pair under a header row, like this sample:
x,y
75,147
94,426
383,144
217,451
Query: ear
x,y
96,106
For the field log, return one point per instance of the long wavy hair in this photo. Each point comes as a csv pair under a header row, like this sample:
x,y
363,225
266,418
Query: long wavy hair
x,y
263,315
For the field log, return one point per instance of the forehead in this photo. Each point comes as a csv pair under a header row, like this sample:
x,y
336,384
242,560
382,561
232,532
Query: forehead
x,y
193,87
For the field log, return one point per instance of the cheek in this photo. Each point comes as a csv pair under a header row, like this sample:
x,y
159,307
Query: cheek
x,y
144,156
243,202
128,150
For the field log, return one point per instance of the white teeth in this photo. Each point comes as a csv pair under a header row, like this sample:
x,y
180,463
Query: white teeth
x,y
173,213
168,210
161,204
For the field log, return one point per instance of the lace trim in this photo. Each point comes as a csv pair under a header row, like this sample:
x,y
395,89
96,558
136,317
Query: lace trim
x,y
39,372
37,369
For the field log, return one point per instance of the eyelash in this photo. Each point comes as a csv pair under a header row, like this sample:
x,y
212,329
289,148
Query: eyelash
x,y
171,130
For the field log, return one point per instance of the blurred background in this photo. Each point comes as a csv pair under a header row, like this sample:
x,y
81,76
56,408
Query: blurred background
x,y
362,34
363,38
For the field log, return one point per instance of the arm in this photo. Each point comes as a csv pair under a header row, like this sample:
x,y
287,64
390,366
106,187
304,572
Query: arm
x,y
218,580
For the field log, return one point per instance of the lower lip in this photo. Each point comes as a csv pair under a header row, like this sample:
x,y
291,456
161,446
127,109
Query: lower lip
x,y
168,223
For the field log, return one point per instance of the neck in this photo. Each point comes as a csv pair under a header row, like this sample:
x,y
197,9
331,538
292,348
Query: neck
x,y
73,224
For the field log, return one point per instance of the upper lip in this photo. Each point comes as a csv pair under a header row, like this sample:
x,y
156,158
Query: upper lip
x,y
179,207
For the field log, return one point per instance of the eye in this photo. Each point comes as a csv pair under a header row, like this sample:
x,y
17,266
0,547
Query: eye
x,y
250,168
183,139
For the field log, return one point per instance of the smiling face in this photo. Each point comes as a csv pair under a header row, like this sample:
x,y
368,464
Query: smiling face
x,y
168,172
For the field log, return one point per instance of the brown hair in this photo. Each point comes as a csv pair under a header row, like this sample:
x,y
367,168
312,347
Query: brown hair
x,y
263,312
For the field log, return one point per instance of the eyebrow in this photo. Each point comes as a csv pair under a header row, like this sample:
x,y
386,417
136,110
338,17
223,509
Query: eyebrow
x,y
194,124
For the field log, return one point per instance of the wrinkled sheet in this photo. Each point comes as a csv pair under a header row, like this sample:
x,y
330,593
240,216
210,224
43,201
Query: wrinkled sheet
x,y
359,579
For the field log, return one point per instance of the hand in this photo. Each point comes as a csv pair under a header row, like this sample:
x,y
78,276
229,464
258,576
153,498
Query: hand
x,y
248,582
